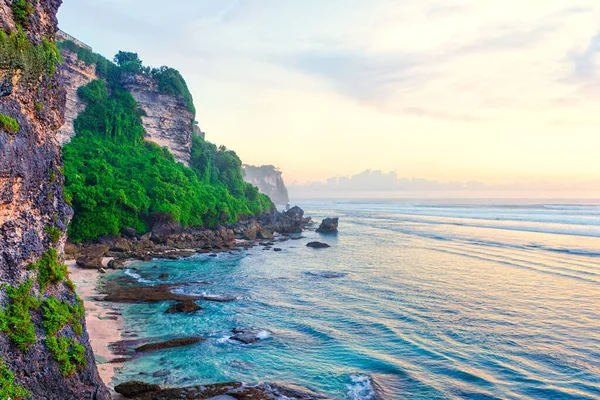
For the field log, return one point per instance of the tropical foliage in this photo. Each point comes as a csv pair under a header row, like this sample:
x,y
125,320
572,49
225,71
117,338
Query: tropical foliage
x,y
115,179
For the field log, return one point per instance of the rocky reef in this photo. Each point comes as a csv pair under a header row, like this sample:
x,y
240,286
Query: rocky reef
x,y
44,346
268,180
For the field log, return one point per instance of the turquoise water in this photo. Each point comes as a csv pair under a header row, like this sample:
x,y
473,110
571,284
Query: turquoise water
x,y
431,302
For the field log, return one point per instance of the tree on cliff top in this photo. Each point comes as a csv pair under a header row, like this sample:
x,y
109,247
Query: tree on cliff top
x,y
130,62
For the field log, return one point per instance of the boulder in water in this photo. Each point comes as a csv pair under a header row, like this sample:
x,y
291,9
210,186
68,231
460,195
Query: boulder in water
x,y
329,225
317,245
249,336
185,306
169,344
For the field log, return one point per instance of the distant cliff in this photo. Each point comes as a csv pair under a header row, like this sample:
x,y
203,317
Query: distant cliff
x,y
44,347
268,180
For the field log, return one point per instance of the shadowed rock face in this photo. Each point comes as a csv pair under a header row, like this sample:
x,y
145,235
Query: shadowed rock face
x,y
31,206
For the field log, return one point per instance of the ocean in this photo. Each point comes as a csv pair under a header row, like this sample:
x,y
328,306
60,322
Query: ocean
x,y
414,300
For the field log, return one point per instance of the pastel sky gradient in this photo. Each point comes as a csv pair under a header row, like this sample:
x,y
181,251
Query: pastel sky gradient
x,y
497,92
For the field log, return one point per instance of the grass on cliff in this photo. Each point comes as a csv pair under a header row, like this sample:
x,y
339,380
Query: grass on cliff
x,y
15,320
50,269
68,353
9,124
8,388
115,179
31,60
58,314
21,11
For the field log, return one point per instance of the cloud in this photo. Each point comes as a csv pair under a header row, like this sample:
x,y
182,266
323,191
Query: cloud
x,y
584,63
370,180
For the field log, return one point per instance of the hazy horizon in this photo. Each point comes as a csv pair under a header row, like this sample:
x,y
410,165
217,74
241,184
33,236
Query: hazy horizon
x,y
459,91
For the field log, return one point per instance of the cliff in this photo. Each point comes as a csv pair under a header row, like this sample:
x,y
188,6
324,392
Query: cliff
x,y
75,74
268,180
166,118
44,347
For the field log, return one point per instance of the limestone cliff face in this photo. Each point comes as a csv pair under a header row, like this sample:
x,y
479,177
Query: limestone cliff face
x,y
167,120
75,74
268,180
33,221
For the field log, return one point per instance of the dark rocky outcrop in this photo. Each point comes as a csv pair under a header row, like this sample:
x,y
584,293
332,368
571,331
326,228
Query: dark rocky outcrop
x,y
185,306
145,294
329,225
168,344
268,180
249,336
290,221
134,388
235,390
317,245
34,215
91,256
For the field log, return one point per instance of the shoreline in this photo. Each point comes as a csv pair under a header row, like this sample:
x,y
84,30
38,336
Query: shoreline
x,y
103,320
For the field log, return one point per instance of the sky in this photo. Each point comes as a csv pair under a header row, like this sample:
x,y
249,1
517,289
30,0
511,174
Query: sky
x,y
504,94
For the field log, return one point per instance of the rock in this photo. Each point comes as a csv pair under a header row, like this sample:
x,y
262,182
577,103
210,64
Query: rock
x,y
169,344
163,227
277,249
163,276
162,373
130,233
230,390
146,236
317,245
122,245
116,263
329,225
91,256
135,388
220,298
185,306
265,234
144,294
102,270
249,336
212,255
71,251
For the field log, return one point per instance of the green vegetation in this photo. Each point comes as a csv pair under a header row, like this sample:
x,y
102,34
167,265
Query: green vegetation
x,y
9,124
22,10
50,269
58,313
15,320
32,60
53,233
115,179
8,389
171,82
39,106
68,354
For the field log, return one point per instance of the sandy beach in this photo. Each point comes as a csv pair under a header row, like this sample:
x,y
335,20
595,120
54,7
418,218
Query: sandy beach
x,y
104,323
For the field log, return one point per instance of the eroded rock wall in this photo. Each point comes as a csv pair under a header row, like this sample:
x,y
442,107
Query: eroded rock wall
x,y
167,120
75,74
34,219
